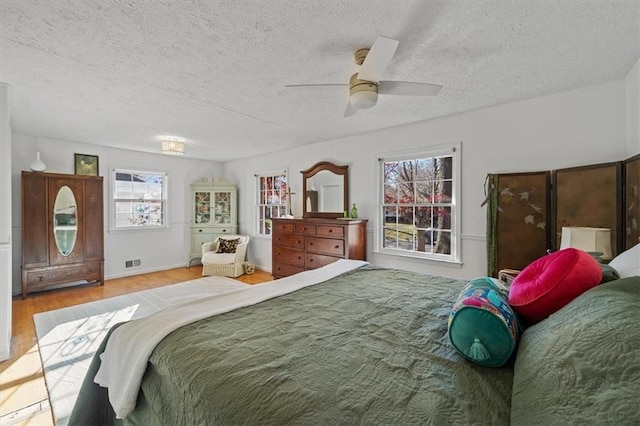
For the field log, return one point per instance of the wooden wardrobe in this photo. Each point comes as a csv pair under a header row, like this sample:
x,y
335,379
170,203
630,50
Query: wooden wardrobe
x,y
62,230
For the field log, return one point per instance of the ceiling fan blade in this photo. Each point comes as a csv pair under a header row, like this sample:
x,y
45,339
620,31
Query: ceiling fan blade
x,y
350,111
408,88
316,85
377,59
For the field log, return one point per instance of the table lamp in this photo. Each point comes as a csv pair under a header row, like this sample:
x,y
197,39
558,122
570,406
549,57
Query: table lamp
x,y
593,240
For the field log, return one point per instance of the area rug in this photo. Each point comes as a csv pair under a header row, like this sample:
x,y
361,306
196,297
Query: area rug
x,y
68,338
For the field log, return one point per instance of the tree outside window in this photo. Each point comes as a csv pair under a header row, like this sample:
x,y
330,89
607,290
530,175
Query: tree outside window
x,y
272,200
418,207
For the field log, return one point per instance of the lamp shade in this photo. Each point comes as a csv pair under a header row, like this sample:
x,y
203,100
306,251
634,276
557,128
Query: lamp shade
x,y
173,147
587,239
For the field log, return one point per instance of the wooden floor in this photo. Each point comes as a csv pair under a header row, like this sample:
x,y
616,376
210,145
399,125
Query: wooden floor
x,y
23,394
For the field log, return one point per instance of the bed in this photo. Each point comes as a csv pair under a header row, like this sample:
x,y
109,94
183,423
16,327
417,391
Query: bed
x,y
370,346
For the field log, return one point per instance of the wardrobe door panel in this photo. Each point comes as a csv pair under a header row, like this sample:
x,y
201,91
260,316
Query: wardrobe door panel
x,y
93,226
35,221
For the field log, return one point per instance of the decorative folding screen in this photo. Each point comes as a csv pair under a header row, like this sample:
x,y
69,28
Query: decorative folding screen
x,y
526,211
589,196
632,202
522,208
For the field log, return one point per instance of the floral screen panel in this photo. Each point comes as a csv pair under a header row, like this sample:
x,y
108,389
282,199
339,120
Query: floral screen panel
x,y
588,196
632,202
521,224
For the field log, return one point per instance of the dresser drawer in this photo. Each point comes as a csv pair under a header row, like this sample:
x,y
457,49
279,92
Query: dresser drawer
x,y
331,231
289,240
313,260
90,271
290,256
306,229
283,227
284,270
327,246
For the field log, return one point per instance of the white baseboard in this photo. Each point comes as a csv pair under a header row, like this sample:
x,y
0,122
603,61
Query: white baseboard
x,y
138,271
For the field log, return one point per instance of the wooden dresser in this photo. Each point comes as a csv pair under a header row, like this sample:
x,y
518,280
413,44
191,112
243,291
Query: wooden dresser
x,y
301,244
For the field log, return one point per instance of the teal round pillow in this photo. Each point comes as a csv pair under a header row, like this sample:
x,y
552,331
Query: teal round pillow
x,y
482,325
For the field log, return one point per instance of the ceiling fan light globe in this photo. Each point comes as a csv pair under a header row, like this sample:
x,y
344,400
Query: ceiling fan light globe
x,y
363,99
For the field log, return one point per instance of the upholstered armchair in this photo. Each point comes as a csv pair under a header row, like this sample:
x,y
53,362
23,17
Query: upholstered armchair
x,y
225,255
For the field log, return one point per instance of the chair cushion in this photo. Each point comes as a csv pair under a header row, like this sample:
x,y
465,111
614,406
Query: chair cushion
x,y
218,258
550,282
228,246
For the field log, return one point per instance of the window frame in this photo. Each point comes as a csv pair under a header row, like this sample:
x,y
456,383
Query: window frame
x,y
259,206
112,200
453,149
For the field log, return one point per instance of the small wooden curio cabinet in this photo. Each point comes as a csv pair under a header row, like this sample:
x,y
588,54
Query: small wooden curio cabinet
x,y
62,230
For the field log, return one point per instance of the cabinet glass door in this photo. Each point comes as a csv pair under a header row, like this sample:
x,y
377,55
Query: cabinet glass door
x,y
223,207
202,207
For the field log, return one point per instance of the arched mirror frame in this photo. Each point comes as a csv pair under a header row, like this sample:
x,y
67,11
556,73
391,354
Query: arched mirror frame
x,y
315,169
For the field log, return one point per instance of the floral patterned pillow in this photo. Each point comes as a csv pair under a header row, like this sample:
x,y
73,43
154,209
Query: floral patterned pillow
x,y
228,246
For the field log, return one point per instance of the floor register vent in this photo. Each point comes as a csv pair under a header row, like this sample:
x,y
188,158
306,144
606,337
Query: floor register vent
x,y
131,263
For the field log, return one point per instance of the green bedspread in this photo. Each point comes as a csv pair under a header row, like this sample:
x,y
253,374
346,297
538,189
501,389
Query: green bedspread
x,y
367,347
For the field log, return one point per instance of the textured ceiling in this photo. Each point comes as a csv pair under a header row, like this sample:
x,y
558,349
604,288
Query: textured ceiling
x,y
123,73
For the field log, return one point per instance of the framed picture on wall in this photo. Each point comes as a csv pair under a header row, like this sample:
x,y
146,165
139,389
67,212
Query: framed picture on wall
x,y
86,165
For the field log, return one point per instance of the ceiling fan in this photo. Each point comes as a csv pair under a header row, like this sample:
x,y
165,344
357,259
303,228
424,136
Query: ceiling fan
x,y
365,85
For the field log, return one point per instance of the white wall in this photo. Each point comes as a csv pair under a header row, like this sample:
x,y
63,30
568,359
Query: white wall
x,y
5,225
633,110
569,129
157,249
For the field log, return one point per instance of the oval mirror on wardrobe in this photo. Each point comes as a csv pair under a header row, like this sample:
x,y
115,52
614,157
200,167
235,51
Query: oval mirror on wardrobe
x,y
65,221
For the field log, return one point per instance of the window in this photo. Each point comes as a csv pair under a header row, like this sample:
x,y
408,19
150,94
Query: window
x,y
418,205
273,199
139,199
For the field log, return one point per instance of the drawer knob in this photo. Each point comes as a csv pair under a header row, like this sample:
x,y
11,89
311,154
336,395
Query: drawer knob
x,y
310,243
337,247
199,230
224,230
330,230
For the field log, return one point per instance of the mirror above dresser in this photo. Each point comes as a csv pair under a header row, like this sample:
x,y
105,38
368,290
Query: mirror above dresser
x,y
326,190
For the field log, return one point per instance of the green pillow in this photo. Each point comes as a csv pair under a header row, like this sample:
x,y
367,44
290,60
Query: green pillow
x,y
482,325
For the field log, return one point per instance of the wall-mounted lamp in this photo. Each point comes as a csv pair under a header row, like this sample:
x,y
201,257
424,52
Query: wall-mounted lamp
x,y
587,239
173,147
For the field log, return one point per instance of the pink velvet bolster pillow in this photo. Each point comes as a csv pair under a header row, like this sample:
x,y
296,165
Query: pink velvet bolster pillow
x,y
549,283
